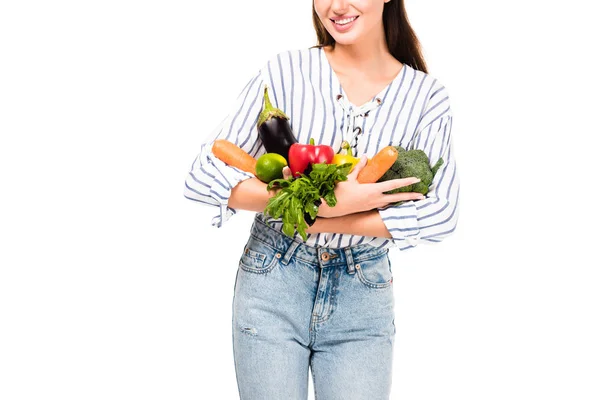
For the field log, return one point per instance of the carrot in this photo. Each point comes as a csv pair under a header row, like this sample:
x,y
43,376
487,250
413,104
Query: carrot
x,y
378,165
231,154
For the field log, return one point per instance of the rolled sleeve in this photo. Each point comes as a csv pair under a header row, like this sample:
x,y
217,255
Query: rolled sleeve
x,y
210,180
434,218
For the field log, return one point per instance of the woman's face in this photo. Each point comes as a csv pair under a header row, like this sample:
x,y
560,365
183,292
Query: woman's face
x,y
354,19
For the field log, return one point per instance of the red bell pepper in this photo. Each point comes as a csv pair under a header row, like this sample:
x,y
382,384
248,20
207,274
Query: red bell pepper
x,y
302,156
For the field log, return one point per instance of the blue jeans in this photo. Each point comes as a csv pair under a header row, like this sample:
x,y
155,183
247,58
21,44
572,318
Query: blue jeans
x,y
297,306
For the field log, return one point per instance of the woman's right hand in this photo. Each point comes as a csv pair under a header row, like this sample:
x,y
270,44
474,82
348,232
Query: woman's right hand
x,y
353,197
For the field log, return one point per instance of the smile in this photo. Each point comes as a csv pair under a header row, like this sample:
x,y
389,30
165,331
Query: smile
x,y
344,21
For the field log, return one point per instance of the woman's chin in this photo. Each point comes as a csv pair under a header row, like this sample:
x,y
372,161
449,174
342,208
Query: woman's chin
x,y
345,40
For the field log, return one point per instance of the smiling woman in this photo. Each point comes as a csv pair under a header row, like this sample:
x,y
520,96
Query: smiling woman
x,y
371,20
362,88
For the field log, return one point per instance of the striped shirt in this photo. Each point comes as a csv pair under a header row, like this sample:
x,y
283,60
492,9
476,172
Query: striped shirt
x,y
412,111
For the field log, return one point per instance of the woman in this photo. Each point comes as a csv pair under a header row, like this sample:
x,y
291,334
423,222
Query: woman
x,y
327,303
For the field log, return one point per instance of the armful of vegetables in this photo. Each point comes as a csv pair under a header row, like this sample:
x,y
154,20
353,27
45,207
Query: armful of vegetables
x,y
299,196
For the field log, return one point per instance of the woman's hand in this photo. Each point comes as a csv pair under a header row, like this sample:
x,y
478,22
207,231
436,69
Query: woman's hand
x,y
353,197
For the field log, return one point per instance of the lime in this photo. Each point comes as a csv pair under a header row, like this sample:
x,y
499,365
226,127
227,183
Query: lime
x,y
269,166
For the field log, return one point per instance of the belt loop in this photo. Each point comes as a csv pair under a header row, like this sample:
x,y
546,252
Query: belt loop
x,y
290,252
349,260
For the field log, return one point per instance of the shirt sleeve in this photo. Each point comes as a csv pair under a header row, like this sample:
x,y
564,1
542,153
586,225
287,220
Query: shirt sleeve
x,y
434,218
210,180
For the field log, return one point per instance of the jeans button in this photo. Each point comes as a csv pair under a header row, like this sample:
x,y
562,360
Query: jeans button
x,y
325,256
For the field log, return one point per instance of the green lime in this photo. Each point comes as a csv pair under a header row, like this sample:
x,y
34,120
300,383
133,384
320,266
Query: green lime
x,y
269,166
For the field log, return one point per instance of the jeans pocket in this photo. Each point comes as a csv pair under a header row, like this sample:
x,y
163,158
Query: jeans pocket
x,y
257,257
375,273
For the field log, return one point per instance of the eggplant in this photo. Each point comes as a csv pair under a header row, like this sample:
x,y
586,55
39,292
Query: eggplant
x,y
274,129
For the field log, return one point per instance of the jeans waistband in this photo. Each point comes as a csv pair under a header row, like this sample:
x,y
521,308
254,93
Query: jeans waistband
x,y
322,256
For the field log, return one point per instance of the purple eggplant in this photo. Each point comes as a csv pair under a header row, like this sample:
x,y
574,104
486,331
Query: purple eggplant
x,y
274,129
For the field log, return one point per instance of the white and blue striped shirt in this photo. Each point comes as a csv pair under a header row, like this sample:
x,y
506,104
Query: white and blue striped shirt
x,y
412,111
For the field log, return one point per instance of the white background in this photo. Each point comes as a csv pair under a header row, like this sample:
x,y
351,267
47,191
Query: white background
x,y
114,286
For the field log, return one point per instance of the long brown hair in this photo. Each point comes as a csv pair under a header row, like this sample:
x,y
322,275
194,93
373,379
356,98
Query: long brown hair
x,y
401,39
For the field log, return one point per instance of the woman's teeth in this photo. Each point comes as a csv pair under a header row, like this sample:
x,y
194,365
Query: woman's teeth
x,y
344,21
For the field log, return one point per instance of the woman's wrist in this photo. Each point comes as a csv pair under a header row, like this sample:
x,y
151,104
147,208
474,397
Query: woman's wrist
x,y
319,225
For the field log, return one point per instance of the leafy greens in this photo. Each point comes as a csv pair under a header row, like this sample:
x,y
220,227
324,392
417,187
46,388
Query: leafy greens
x,y
299,196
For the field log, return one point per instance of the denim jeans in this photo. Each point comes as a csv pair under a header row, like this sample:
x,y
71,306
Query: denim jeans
x,y
297,306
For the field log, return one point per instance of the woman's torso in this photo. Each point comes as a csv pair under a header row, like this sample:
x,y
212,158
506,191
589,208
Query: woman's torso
x,y
303,84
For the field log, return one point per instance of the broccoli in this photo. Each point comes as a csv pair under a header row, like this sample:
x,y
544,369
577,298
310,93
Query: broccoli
x,y
411,163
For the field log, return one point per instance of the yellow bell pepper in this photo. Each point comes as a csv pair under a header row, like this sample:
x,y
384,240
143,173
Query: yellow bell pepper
x,y
340,159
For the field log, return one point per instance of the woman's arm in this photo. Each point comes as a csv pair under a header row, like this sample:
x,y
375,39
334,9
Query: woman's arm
x,y
356,211
210,181
251,195
366,223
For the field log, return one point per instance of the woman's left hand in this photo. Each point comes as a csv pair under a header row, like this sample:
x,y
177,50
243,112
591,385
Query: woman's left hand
x,y
353,197
287,172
